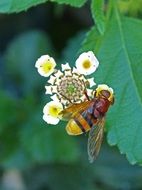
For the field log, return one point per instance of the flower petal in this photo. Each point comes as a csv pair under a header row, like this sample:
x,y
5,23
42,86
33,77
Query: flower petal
x,y
90,92
45,65
74,70
51,111
58,74
83,78
65,67
54,89
55,98
50,120
91,82
87,63
52,79
68,73
93,58
48,90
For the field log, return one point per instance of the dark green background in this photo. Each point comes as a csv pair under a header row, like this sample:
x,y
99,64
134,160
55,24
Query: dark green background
x,y
47,158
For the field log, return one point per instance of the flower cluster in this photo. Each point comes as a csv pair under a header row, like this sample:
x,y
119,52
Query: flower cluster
x,y
66,86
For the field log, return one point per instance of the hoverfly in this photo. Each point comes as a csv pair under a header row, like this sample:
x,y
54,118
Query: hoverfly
x,y
89,116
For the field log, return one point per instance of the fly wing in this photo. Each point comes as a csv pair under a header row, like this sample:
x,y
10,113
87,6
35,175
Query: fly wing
x,y
71,111
95,139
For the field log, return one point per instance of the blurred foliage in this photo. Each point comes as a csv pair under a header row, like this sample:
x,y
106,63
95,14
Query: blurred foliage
x,y
44,144
10,6
131,7
19,51
48,157
113,172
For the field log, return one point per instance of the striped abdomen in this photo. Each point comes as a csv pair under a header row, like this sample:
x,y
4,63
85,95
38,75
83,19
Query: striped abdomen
x,y
81,123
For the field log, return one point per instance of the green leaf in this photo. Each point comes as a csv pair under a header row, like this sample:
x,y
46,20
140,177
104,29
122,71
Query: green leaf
x,y
89,44
10,6
75,3
119,53
98,14
21,56
133,8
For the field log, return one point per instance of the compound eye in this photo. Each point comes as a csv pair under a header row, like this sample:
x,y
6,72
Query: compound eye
x,y
105,93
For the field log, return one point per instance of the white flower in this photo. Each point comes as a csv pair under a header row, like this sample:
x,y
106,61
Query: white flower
x,y
55,98
83,78
48,89
59,98
51,89
45,65
90,93
65,67
91,82
52,79
51,111
58,74
54,89
74,70
67,86
87,63
68,72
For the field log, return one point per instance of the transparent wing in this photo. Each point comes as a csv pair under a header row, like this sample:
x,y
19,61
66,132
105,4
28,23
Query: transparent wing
x,y
74,109
95,139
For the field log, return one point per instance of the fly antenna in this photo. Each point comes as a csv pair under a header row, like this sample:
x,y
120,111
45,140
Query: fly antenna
x,y
85,91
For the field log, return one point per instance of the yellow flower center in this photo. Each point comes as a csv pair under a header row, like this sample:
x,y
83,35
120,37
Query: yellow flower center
x,y
54,111
86,64
47,66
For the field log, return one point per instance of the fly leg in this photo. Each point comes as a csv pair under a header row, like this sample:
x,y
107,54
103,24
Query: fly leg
x,y
86,95
85,91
